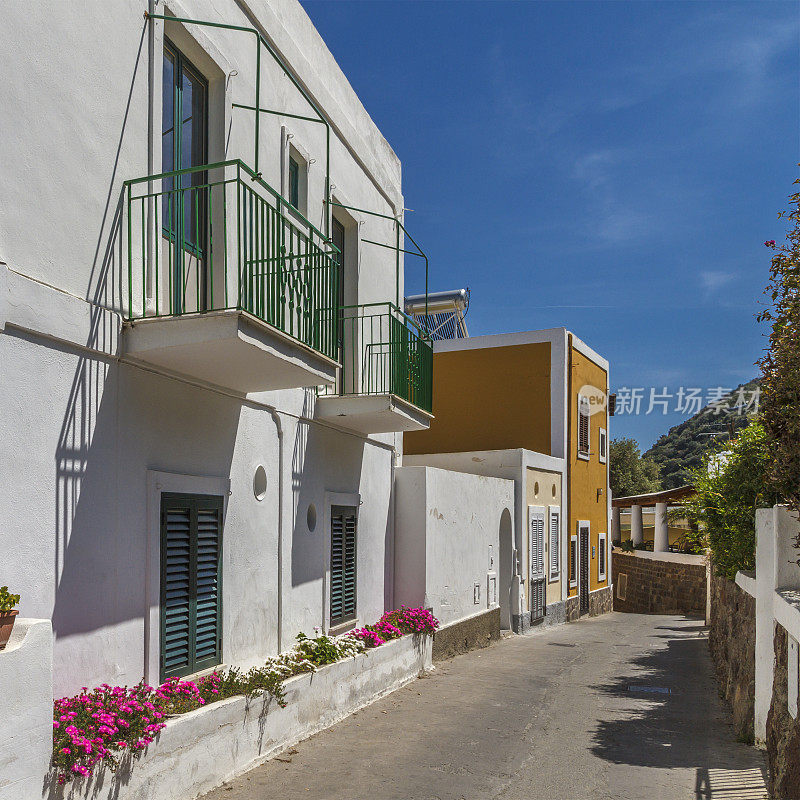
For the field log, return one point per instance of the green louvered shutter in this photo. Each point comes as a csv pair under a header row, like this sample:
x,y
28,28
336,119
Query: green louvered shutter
x,y
343,564
191,596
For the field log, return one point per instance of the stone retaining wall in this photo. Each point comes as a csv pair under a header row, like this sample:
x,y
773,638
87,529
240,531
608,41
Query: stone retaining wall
x,y
732,642
650,586
783,732
479,630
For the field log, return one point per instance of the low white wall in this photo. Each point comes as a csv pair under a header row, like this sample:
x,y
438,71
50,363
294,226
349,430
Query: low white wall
x,y
776,589
447,529
26,709
746,582
198,751
674,558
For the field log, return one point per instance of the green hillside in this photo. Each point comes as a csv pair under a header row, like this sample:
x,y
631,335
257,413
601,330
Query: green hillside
x,y
682,449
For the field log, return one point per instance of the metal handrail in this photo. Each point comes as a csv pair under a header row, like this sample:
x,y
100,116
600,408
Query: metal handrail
x,y
215,237
383,351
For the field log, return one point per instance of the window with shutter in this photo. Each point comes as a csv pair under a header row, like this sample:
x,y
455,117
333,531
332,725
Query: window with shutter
x,y
573,561
553,541
344,525
601,557
536,517
191,591
583,427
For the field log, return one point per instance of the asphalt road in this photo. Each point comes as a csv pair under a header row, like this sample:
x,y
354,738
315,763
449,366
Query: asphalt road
x,y
618,707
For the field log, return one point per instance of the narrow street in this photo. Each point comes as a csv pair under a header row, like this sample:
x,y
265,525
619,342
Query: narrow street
x,y
618,707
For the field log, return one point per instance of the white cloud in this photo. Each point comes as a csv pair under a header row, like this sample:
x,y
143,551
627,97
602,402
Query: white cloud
x,y
713,280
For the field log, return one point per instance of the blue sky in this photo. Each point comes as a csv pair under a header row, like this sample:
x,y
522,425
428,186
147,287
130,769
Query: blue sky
x,y
612,167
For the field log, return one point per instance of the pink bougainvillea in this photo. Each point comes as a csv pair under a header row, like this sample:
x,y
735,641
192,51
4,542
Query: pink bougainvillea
x,y
396,623
98,727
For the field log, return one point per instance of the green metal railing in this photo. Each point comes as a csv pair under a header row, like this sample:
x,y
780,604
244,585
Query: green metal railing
x,y
218,237
383,351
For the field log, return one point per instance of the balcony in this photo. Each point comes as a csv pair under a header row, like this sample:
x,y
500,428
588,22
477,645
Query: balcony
x,y
387,373
226,283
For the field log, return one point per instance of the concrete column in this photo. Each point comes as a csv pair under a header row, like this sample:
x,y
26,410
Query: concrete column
x,y
661,534
616,529
637,534
776,568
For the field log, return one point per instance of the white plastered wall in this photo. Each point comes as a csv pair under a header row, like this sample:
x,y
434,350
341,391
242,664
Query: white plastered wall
x,y
81,428
448,539
511,465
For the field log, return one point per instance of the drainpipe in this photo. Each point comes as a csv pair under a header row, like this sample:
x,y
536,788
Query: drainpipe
x,y
568,459
279,429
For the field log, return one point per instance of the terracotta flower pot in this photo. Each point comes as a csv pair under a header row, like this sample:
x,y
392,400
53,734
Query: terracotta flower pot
x,y
6,625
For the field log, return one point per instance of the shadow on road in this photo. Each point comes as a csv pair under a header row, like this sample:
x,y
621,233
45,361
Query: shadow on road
x,y
660,713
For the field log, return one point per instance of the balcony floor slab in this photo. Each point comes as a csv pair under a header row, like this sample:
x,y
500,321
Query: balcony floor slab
x,y
231,349
372,413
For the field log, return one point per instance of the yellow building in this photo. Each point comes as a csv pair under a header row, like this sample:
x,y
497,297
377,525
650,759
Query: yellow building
x,y
532,407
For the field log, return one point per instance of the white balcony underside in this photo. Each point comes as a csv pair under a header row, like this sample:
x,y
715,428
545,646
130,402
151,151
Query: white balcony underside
x,y
231,349
372,413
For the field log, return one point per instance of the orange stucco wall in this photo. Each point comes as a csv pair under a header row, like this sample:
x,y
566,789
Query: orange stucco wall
x,y
587,476
490,398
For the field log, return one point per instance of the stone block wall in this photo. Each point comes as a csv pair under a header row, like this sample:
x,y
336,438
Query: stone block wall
x,y
648,586
732,642
480,630
783,732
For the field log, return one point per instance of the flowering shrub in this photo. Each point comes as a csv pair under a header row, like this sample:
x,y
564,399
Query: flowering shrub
x,y
101,726
395,623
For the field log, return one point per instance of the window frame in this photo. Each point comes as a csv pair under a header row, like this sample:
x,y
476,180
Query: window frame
x,y
602,445
292,151
583,413
181,63
332,500
553,574
199,501
294,182
573,560
602,556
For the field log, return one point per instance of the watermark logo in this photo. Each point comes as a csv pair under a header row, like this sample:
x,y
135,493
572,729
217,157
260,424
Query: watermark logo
x,y
593,400
715,400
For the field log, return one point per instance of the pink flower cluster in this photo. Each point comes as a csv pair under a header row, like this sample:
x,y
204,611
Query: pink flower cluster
x,y
395,623
370,638
413,620
769,243
96,727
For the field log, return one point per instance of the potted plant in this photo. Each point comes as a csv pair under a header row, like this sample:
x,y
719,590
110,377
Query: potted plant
x,y
7,614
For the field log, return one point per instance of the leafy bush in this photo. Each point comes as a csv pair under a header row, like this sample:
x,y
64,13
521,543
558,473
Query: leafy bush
x,y
101,726
780,366
629,473
731,485
7,600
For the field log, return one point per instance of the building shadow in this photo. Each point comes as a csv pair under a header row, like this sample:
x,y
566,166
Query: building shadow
x,y
665,713
119,421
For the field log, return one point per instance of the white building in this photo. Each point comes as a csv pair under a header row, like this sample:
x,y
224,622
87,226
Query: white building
x,y
174,492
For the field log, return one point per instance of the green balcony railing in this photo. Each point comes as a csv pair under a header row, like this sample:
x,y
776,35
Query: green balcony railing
x,y
217,237
383,351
